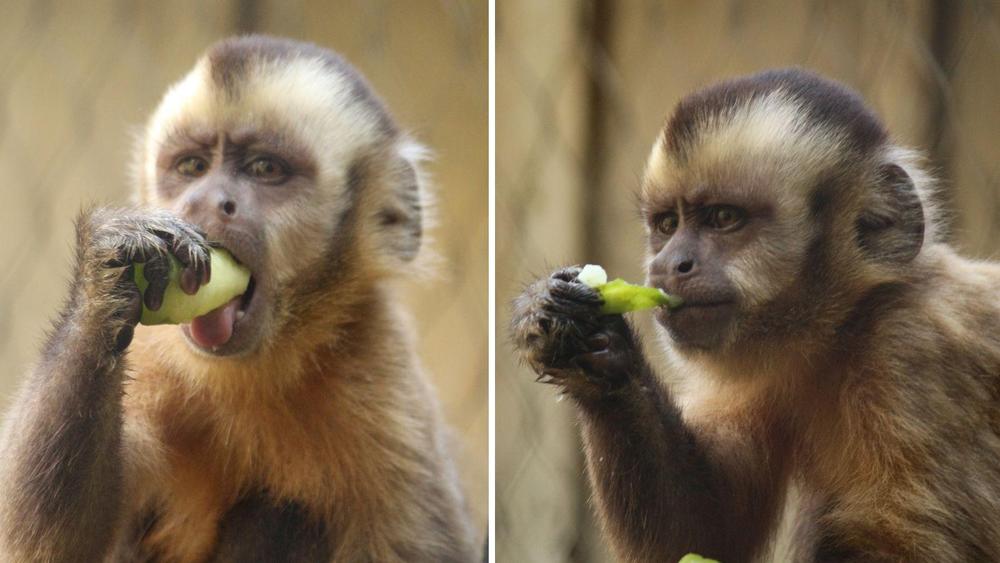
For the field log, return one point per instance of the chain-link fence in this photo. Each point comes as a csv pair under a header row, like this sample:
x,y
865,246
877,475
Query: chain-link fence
x,y
583,88
76,78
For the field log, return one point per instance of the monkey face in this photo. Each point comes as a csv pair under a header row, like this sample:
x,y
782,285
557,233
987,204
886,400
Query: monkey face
x,y
229,182
697,245
279,152
730,257
728,232
690,248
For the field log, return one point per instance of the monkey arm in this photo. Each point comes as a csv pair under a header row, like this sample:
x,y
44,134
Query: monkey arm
x,y
662,489
62,468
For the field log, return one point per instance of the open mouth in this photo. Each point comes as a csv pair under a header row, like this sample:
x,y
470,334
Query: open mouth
x,y
217,328
246,298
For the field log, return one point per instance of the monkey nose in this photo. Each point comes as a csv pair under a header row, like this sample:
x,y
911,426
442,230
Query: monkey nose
x,y
227,208
684,267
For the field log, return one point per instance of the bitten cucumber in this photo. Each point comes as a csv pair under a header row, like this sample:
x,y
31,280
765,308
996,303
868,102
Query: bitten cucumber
x,y
622,297
229,279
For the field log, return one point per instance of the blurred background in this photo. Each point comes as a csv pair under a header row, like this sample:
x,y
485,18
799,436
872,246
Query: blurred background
x,y
583,88
78,78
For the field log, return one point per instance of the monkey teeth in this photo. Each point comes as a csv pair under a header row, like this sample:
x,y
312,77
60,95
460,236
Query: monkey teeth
x,y
240,314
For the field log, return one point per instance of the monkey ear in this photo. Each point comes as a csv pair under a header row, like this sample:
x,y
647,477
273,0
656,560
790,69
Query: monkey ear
x,y
400,218
891,228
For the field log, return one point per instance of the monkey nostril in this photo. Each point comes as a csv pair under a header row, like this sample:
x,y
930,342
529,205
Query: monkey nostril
x,y
685,266
229,208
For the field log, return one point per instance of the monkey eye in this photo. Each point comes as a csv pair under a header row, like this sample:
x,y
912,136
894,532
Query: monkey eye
x,y
192,166
666,223
725,217
267,169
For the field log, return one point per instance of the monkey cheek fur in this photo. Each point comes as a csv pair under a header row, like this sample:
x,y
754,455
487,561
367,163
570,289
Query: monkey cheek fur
x,y
701,326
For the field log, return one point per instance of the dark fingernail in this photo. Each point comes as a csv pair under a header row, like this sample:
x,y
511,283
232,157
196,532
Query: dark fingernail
x,y
189,281
134,312
599,341
123,339
152,299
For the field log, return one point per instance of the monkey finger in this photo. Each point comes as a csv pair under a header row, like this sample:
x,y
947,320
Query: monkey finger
x,y
604,366
127,289
567,274
126,249
598,341
616,327
573,291
157,273
195,262
123,338
189,247
570,310
197,270
206,272
190,280
144,250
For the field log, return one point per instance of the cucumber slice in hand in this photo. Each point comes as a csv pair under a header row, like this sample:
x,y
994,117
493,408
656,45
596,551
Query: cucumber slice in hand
x,y
229,279
622,297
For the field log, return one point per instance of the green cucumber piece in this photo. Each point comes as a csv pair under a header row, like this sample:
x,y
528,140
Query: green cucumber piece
x,y
229,279
622,297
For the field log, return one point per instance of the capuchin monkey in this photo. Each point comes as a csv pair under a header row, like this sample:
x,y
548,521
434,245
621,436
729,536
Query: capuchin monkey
x,y
293,423
829,342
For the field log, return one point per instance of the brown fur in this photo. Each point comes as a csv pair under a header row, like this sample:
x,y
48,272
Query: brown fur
x,y
360,450
858,359
313,434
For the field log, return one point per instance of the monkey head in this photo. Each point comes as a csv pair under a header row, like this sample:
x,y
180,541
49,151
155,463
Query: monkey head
x,y
280,152
774,203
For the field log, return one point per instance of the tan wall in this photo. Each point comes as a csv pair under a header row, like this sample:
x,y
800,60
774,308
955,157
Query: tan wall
x,y
77,77
554,166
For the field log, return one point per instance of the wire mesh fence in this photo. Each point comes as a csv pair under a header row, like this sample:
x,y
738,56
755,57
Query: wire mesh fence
x,y
582,90
77,78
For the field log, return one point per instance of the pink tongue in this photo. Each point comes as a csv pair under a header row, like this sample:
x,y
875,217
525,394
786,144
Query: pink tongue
x,y
215,328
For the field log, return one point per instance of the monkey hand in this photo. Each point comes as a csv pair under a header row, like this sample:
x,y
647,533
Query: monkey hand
x,y
558,329
109,243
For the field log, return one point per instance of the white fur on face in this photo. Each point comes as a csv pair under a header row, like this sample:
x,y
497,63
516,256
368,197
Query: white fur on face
x,y
773,134
295,96
769,138
302,99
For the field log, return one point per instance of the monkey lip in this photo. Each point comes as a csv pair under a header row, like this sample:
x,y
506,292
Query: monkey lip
x,y
698,324
702,304
702,310
694,315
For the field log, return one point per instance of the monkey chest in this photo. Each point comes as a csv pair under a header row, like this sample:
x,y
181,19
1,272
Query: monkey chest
x,y
257,527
